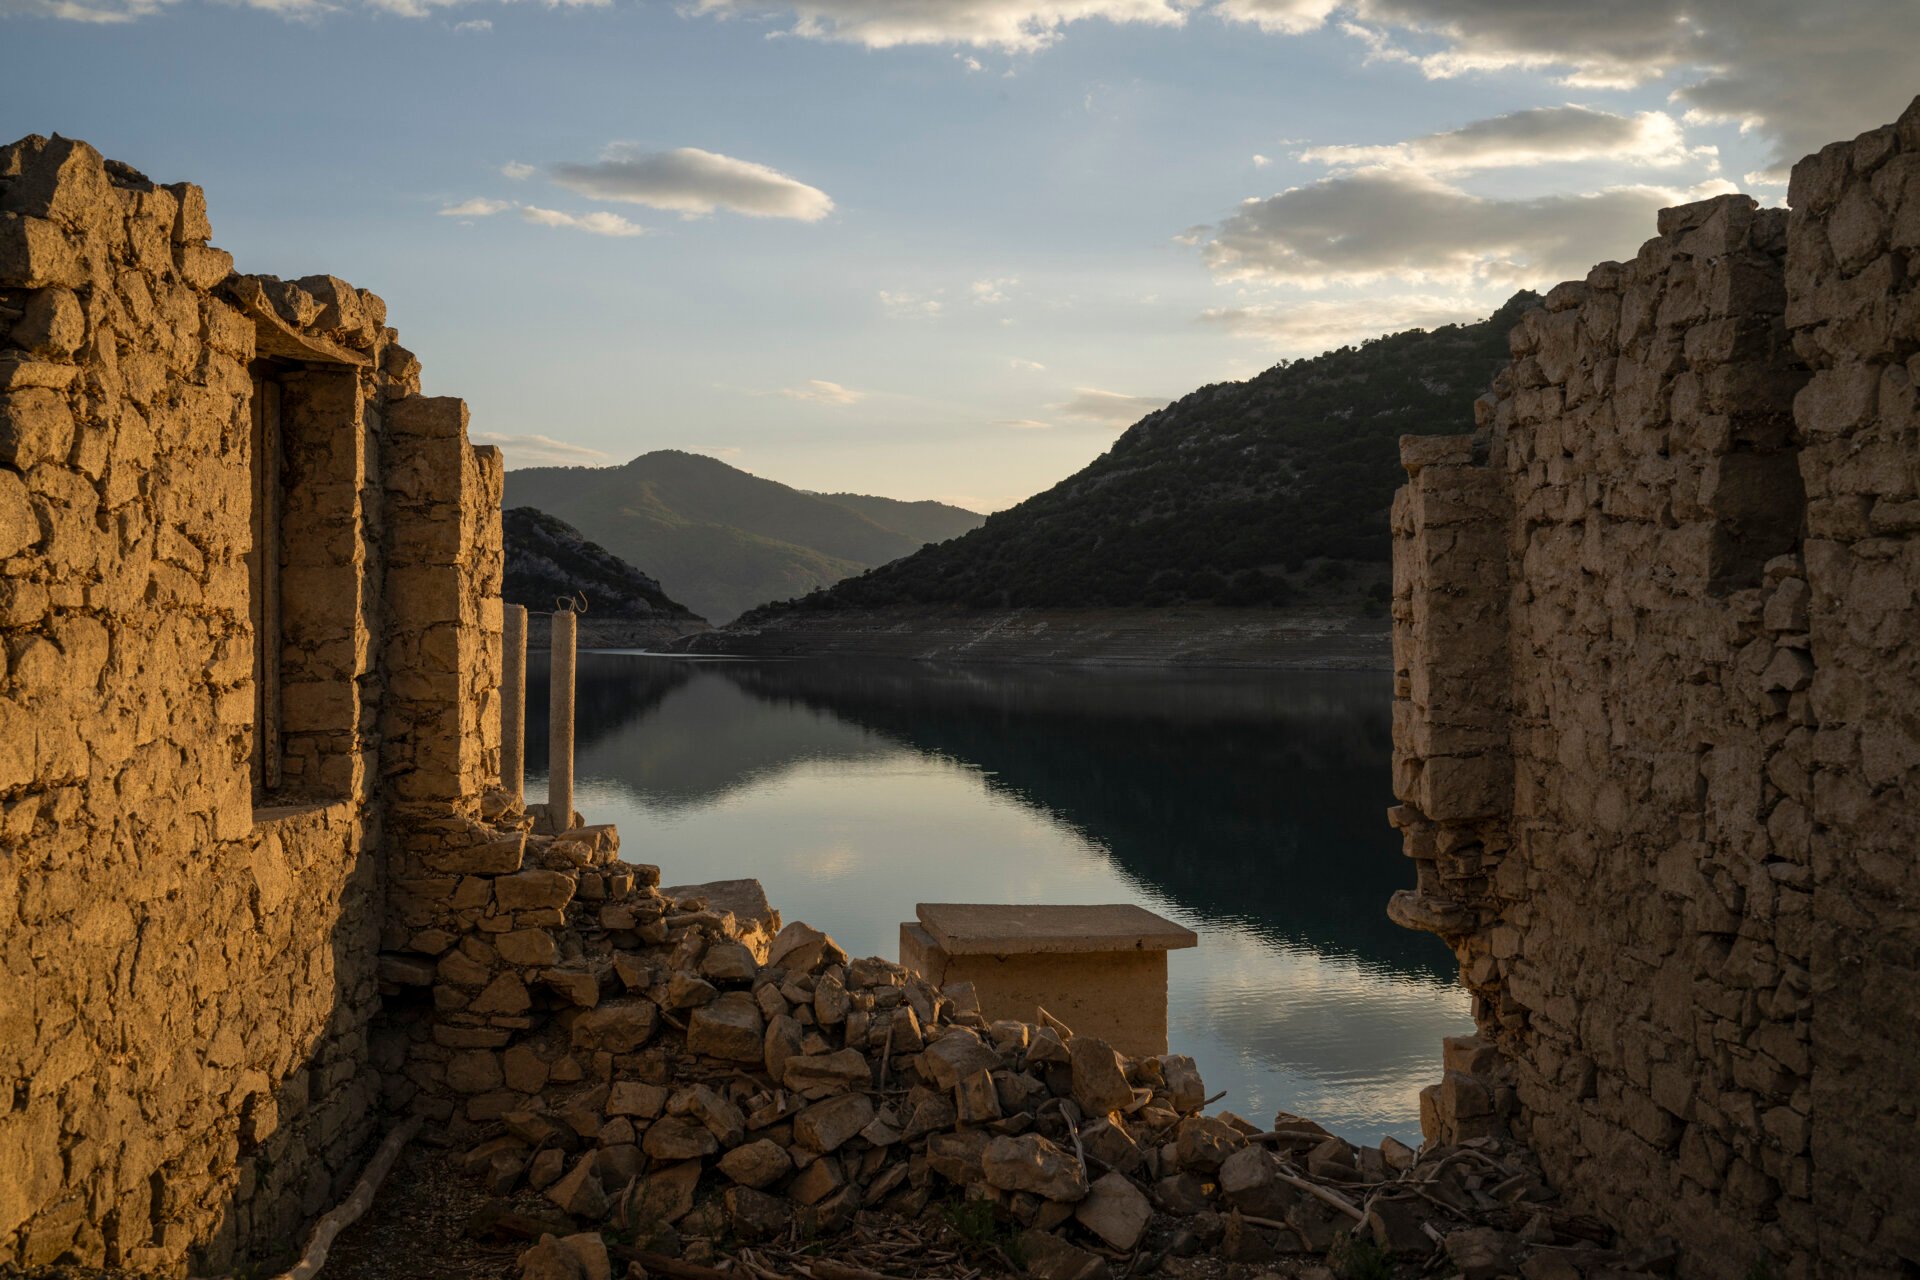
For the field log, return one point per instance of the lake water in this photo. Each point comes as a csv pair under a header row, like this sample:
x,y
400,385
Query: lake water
x,y
1248,807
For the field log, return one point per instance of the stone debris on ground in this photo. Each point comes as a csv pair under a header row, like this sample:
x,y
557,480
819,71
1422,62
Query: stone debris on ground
x,y
718,1096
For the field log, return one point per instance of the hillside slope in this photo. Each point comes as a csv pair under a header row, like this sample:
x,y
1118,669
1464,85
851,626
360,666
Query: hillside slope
x,y
923,522
547,559
1273,491
725,540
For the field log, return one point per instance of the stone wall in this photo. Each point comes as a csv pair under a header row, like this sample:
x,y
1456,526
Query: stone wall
x,y
189,927
1657,727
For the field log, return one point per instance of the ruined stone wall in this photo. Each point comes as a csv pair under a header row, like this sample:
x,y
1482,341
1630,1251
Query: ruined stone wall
x,y
1853,773
188,980
1657,723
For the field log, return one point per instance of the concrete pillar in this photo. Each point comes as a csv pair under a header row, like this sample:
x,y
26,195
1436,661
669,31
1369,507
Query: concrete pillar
x,y
513,702
560,724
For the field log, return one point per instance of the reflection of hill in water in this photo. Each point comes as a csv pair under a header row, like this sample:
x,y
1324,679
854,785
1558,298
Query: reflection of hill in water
x,y
608,693
681,735
1256,799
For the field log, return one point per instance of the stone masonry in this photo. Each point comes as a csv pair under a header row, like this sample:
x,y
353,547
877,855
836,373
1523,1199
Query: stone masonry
x,y
1657,728
205,798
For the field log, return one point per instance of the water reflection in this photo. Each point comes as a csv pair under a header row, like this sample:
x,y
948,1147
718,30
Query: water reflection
x,y
1249,807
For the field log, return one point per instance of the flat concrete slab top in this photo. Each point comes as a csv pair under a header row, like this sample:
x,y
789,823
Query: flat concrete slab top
x,y
999,929
747,899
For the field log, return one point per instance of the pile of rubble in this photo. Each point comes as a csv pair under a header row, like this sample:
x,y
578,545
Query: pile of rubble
x,y
743,1106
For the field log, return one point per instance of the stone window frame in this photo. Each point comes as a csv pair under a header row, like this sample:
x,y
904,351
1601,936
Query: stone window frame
x,y
307,600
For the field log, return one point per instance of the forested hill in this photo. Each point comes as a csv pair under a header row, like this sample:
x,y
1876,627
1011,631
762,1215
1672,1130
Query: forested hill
x,y
548,559
1265,492
722,539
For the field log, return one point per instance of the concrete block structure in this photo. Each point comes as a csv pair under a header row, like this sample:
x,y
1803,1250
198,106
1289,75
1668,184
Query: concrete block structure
x,y
1101,970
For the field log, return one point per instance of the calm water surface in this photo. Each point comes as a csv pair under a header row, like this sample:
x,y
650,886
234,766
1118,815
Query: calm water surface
x,y
1249,807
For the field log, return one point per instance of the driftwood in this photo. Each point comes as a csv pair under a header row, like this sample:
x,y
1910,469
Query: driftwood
x,y
494,1222
1318,1192
827,1269
660,1264
353,1206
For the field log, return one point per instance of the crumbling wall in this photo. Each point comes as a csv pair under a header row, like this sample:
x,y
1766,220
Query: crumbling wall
x,y
1853,773
1657,724
187,959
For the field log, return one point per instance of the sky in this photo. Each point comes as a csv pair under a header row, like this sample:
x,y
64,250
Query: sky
x,y
932,248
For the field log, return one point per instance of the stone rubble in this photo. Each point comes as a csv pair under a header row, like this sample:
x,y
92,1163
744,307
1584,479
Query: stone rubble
x,y
713,1095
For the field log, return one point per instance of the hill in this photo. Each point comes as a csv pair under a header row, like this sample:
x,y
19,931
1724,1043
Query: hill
x,y
923,522
547,558
724,539
1268,492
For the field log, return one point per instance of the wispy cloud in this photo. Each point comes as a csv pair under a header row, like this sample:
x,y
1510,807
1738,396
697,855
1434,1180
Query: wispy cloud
x,y
992,292
1540,135
693,183
540,451
820,391
1111,407
478,207
905,306
518,172
474,25
598,223
1023,424
1398,224
1028,366
1002,24
1313,325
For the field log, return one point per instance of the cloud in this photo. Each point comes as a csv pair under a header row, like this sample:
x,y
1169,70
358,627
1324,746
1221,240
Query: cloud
x,y
1260,161
1312,326
820,391
1540,135
478,207
1382,224
693,182
1801,76
1000,24
518,172
599,223
1110,407
474,25
540,451
992,292
1283,17
905,306
1029,366
104,12
1023,424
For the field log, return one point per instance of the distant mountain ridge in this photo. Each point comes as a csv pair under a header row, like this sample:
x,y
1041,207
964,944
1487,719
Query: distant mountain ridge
x,y
1268,492
722,539
923,521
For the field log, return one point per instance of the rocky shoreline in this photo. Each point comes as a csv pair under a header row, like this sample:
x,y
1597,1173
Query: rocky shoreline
x,y
620,633
1200,636
714,1095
